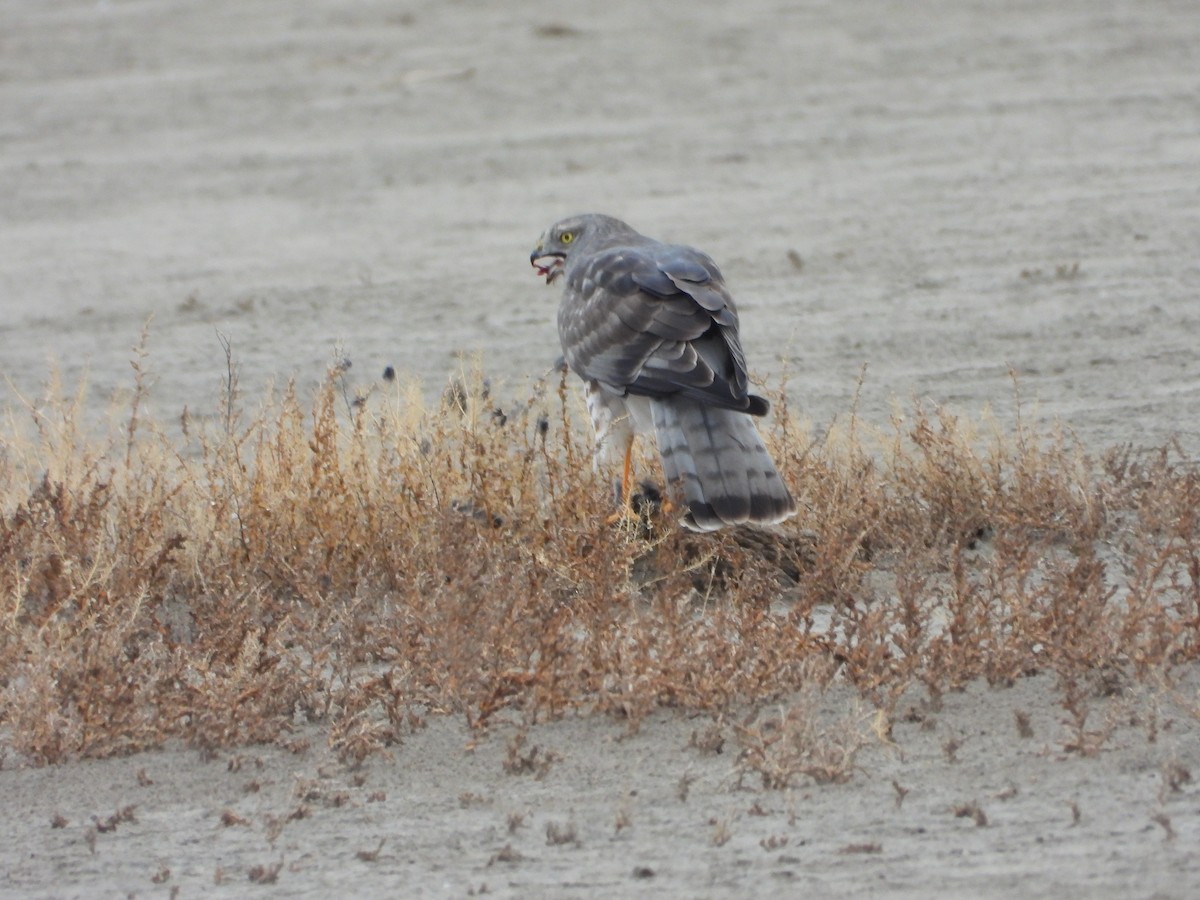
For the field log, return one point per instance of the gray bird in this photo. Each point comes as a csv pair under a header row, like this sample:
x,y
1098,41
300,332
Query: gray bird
x,y
653,333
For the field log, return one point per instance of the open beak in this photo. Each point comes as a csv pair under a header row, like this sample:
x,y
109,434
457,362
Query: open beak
x,y
548,265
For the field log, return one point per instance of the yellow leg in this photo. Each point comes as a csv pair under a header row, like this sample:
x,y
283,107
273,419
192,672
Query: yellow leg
x,y
626,511
627,480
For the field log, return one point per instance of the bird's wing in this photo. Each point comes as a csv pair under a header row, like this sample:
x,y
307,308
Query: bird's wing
x,y
656,320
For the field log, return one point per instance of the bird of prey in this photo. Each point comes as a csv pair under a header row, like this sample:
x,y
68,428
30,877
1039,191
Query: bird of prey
x,y
653,333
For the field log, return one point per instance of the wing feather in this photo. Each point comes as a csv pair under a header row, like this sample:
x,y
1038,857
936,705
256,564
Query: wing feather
x,y
655,320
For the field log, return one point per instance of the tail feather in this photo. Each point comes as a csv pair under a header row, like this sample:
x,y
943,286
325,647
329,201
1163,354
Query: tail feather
x,y
717,460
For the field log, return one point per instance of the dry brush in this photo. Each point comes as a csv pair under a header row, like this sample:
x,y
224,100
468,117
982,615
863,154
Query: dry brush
x,y
366,561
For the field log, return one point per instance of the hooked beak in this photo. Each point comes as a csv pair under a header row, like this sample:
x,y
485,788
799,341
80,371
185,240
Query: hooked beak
x,y
548,265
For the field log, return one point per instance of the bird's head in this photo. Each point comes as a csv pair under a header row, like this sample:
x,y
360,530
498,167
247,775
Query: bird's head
x,y
549,257
565,237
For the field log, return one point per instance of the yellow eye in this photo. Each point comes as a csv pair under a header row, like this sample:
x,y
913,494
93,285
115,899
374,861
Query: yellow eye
x,y
566,237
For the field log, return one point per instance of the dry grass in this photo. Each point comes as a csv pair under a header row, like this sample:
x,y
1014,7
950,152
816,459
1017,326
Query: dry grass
x,y
795,743
365,562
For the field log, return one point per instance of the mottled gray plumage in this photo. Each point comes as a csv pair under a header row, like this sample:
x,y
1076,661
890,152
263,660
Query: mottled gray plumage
x,y
653,333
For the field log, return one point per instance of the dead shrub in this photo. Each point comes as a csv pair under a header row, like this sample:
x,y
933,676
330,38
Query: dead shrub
x,y
801,741
364,560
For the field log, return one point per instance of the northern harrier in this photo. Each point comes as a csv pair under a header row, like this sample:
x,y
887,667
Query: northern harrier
x,y
653,333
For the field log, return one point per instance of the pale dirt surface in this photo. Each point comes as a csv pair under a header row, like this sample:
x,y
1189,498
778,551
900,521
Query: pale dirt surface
x,y
968,186
444,815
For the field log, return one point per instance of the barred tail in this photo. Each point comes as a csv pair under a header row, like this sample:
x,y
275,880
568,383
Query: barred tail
x,y
717,460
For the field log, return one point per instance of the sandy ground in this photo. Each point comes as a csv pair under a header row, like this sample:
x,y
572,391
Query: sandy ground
x,y
443,815
938,191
